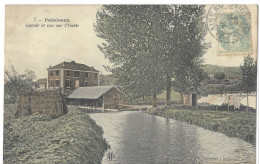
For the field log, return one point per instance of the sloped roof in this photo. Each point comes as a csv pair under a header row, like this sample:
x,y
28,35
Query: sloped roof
x,y
73,65
41,81
90,92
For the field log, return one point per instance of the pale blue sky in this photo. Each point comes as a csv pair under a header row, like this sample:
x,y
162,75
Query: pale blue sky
x,y
37,48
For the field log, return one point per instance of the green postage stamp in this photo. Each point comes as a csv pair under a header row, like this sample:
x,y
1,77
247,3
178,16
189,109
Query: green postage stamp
x,y
231,26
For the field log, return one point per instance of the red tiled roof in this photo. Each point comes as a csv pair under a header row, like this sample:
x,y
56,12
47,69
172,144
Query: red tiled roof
x,y
73,65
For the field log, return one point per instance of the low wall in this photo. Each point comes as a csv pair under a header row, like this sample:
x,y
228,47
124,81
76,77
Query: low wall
x,y
48,102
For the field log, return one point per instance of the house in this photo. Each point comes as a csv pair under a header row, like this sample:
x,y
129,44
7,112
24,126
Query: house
x,y
96,96
71,75
40,84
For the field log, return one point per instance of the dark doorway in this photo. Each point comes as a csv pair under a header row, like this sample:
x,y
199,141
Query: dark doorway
x,y
194,99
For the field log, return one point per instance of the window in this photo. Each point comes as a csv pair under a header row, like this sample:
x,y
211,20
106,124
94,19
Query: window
x,y
52,83
51,73
57,73
86,74
68,73
86,83
68,83
76,73
96,75
57,83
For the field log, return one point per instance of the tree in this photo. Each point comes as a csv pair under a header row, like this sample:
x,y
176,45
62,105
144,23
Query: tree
x,y
134,42
106,80
148,44
219,75
14,82
190,47
249,76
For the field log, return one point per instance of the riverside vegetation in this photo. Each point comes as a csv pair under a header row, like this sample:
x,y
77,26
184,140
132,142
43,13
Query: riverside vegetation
x,y
232,123
71,138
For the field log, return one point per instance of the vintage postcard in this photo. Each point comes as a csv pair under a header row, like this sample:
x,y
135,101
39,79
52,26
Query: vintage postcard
x,y
137,84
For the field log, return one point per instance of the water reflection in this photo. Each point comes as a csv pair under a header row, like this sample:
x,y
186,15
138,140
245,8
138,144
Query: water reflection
x,y
136,137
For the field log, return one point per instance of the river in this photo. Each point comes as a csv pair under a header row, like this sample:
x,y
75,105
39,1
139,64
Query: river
x,y
136,137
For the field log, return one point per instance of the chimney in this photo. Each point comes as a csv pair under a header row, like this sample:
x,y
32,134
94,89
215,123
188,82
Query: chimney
x,y
63,64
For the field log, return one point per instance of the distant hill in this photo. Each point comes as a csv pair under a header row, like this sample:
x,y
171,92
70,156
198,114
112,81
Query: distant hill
x,y
108,80
212,69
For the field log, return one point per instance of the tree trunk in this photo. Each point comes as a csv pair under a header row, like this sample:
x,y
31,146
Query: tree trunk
x,y
154,100
247,103
181,97
168,91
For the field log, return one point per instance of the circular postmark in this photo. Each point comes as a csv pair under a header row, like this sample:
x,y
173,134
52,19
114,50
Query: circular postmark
x,y
228,23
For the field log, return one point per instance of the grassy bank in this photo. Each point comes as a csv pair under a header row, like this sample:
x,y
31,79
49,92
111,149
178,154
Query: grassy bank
x,y
234,123
146,100
72,138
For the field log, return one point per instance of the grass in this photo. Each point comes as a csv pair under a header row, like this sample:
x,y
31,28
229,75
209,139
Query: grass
x,y
175,98
71,138
234,123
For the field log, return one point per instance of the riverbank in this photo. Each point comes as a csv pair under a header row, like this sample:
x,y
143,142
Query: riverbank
x,y
233,124
72,138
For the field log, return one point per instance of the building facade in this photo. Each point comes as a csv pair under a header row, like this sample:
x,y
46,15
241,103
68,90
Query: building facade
x,y
71,75
97,96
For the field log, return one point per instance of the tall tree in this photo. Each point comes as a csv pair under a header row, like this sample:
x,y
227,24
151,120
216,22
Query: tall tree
x,y
148,44
190,47
134,43
249,76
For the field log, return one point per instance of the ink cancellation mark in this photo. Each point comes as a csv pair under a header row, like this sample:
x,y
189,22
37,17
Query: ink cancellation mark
x,y
230,25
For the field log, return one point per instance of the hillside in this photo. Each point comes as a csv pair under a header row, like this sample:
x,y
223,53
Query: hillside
x,y
212,69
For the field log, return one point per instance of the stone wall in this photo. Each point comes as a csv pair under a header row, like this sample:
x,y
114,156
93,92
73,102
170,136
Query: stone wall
x,y
48,102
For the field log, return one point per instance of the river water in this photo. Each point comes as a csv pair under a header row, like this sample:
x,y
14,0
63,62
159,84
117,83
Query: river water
x,y
136,137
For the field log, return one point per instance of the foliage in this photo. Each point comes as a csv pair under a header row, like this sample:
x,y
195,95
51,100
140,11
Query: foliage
x,y
219,76
72,138
135,38
249,75
206,90
107,80
14,82
148,44
190,47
